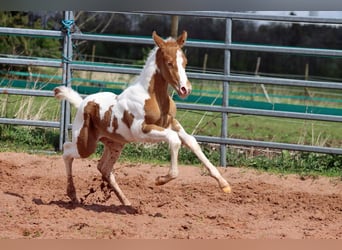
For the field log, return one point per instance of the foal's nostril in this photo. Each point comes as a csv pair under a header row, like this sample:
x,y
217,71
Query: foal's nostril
x,y
183,90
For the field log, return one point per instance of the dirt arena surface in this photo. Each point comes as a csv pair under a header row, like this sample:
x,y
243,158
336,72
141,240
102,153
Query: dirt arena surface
x,y
33,203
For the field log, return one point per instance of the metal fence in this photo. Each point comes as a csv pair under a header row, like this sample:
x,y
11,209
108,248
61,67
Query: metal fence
x,y
68,65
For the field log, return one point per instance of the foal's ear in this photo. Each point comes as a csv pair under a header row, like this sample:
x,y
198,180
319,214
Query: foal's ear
x,y
182,38
158,40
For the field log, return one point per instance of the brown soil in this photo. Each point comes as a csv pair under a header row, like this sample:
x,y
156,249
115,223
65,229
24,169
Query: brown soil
x,y
33,203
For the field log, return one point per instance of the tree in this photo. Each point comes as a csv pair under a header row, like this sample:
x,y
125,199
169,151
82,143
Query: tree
x,y
25,45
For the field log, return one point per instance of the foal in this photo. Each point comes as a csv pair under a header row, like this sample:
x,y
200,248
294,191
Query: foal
x,y
144,112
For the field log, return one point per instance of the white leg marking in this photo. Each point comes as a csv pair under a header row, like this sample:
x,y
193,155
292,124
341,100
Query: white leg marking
x,y
175,144
171,137
192,143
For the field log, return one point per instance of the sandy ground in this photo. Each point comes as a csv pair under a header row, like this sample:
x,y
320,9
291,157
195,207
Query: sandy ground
x,y
33,203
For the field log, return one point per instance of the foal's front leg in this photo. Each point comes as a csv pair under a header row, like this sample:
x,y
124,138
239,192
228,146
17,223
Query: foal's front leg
x,y
158,134
175,145
192,143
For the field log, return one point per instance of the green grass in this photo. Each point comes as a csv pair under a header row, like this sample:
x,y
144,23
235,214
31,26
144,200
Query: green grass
x,y
316,133
18,138
301,163
284,130
29,107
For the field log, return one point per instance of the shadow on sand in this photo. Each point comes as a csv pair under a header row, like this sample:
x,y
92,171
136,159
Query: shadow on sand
x,y
121,209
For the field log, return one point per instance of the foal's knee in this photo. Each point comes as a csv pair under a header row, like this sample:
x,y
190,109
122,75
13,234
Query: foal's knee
x,y
175,143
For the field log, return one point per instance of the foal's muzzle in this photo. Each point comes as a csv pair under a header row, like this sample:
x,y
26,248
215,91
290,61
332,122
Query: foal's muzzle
x,y
184,91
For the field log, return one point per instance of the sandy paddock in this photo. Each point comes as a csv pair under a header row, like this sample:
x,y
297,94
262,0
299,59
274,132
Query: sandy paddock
x,y
33,203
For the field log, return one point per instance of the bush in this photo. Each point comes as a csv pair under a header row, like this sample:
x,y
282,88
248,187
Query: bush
x,y
23,138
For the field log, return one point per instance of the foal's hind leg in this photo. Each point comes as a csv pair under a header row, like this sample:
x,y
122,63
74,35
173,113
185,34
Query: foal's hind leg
x,y
192,143
70,152
111,153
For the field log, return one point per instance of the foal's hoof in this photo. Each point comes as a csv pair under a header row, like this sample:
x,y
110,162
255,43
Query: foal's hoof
x,y
227,189
161,180
75,200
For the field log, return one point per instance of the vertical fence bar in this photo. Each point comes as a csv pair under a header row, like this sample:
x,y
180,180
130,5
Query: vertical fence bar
x,y
66,75
225,94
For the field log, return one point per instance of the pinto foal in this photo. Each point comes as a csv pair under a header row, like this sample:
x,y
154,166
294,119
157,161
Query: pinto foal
x,y
144,112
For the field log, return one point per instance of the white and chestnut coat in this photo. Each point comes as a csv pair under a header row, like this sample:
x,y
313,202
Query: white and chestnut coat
x,y
144,112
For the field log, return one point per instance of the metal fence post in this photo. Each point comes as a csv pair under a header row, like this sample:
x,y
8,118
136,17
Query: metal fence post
x,y
225,94
67,23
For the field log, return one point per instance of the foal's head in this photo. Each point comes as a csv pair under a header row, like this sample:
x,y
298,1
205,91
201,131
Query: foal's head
x,y
171,63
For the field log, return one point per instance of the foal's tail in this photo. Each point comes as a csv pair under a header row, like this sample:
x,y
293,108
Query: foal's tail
x,y
65,93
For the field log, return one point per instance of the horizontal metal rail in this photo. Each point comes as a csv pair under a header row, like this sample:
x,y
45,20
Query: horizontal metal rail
x,y
265,144
31,62
284,49
29,92
112,38
260,112
103,68
30,32
267,80
35,123
216,77
213,45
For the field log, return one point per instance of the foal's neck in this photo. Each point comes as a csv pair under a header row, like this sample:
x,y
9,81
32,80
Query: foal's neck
x,y
159,109
158,88
151,79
